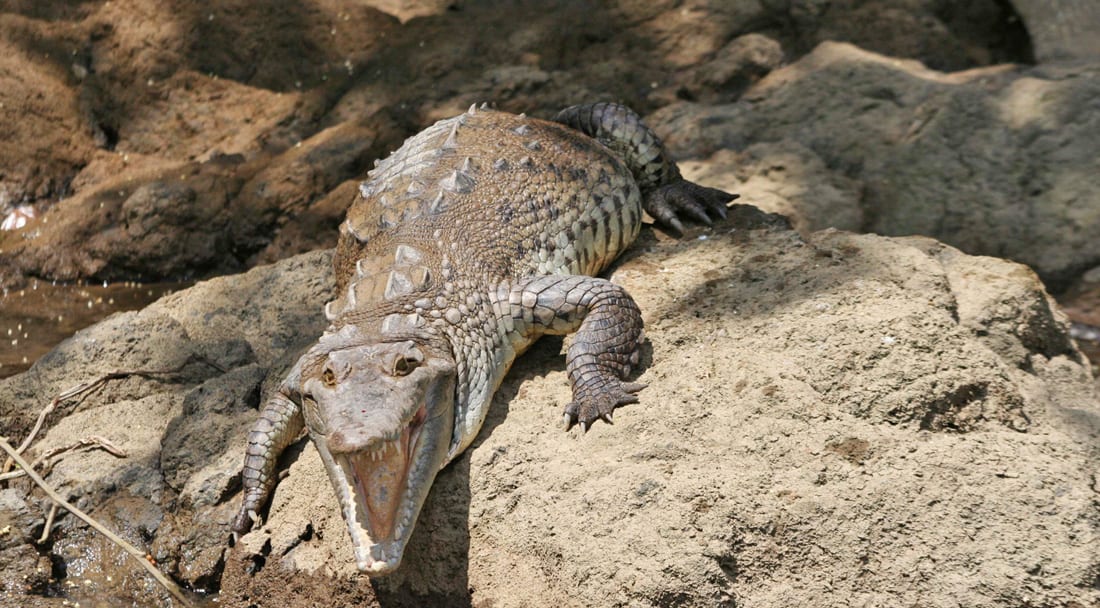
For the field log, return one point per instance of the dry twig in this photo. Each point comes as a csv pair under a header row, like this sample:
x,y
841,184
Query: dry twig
x,y
49,524
170,586
95,441
87,386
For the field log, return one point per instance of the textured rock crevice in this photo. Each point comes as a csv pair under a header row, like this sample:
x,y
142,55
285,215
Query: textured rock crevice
x,y
996,161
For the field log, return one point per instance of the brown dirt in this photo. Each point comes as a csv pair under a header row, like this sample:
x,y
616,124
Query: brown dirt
x,y
124,110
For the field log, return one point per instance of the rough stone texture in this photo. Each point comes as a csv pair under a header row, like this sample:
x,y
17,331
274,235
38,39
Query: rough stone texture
x,y
179,220
786,178
1062,29
831,418
944,34
108,97
181,420
999,161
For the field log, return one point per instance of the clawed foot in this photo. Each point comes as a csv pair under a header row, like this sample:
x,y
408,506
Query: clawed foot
x,y
245,520
683,198
600,404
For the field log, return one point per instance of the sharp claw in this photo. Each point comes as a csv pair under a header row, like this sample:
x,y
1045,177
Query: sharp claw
x,y
584,427
694,206
676,225
607,418
633,387
568,420
726,200
698,213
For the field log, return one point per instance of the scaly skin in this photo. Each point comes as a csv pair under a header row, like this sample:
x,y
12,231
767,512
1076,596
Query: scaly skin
x,y
475,238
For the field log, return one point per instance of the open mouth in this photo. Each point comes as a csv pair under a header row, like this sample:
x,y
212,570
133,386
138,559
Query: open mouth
x,y
378,476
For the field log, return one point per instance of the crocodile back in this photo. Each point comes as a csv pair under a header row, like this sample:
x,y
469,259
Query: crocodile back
x,y
478,199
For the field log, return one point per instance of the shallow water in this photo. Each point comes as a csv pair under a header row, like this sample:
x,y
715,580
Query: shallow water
x,y
36,318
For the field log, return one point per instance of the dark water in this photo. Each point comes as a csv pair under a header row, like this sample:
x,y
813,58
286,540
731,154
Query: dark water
x,y
36,318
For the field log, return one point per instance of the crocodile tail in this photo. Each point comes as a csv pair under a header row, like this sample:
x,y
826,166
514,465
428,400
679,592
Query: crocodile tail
x,y
621,129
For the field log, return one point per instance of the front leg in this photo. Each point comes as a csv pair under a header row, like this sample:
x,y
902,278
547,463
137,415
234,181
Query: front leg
x,y
279,425
609,333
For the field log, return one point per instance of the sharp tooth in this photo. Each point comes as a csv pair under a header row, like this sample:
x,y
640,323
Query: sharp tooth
x,y
351,295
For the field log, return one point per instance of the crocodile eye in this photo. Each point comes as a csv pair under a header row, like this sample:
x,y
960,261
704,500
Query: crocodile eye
x,y
328,377
403,365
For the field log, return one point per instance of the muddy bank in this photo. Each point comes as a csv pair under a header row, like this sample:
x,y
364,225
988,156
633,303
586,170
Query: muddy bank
x,y
167,142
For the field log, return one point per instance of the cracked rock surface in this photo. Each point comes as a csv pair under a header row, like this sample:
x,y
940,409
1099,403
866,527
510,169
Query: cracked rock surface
x,y
828,417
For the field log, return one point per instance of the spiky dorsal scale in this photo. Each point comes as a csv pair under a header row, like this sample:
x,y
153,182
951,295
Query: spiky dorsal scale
x,y
497,195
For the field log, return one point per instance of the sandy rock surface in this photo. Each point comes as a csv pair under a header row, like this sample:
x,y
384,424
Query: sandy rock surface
x,y
827,418
997,161
832,419
1062,29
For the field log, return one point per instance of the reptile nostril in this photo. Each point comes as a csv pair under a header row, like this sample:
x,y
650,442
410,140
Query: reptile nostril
x,y
328,377
339,443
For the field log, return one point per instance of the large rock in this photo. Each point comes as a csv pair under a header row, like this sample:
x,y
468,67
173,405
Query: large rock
x,y
828,419
204,106
1062,29
181,220
199,358
999,161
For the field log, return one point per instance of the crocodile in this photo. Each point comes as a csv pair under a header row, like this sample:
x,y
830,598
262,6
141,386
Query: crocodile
x,y
478,235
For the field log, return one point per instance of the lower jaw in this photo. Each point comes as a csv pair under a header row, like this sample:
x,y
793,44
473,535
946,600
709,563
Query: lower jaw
x,y
377,554
366,559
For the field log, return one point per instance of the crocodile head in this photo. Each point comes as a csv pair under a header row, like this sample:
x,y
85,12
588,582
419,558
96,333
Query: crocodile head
x,y
381,414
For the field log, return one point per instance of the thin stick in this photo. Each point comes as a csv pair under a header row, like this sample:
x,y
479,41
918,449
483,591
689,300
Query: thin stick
x,y
12,475
95,441
49,524
172,588
79,389
89,385
92,441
